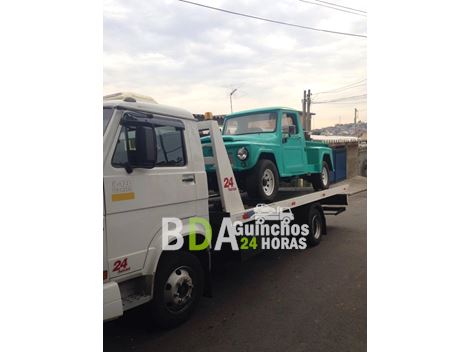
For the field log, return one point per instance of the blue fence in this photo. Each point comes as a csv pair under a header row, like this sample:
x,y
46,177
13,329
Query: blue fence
x,y
339,162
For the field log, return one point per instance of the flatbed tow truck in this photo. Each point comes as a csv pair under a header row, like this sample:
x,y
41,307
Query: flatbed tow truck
x,y
153,167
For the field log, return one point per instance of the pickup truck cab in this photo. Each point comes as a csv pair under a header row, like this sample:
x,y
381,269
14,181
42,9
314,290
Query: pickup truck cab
x,y
268,145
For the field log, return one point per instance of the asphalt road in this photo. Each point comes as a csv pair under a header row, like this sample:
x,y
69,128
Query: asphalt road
x,y
311,300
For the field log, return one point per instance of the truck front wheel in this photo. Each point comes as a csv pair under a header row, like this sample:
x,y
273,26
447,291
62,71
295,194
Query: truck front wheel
x,y
322,180
263,181
178,288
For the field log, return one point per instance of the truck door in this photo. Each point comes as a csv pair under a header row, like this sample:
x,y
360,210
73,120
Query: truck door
x,y
293,146
137,201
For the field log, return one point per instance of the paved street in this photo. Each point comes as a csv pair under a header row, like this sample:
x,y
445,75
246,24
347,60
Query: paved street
x,y
312,300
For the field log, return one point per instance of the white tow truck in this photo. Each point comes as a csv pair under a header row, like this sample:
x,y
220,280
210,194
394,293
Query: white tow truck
x,y
153,168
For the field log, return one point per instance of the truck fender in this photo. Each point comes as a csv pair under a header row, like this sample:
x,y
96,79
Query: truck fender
x,y
268,155
326,157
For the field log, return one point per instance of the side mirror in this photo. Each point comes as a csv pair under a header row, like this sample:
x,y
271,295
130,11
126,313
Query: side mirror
x,y
145,153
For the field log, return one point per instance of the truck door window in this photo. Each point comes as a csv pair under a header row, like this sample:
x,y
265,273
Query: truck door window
x,y
170,147
288,120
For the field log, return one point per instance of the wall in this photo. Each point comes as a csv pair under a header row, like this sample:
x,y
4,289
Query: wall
x,y
351,159
362,161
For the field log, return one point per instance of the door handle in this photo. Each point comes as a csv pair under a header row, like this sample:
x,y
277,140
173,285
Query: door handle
x,y
188,178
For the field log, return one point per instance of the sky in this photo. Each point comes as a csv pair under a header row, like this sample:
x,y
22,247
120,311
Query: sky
x,y
192,57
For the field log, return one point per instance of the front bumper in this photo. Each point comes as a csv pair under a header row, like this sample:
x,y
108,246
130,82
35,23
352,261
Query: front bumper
x,y
112,304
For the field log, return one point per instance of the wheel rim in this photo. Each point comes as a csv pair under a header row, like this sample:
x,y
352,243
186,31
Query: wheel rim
x,y
268,182
324,176
178,290
316,227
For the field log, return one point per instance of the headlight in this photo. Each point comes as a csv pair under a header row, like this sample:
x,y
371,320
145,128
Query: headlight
x,y
242,153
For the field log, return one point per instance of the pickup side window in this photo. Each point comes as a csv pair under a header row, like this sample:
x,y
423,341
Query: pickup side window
x,y
170,146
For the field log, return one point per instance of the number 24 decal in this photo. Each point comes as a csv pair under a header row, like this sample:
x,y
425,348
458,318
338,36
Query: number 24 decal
x,y
228,183
120,266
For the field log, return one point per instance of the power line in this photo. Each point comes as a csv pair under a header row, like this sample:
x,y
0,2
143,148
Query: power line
x,y
273,21
334,8
345,7
353,102
343,89
348,86
362,96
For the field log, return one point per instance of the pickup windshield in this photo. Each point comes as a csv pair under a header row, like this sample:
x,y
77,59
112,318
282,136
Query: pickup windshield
x,y
107,113
246,124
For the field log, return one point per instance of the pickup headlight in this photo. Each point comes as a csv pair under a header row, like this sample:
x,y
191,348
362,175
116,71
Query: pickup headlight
x,y
242,153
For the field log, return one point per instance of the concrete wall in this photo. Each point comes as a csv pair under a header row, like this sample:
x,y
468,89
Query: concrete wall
x,y
351,159
362,161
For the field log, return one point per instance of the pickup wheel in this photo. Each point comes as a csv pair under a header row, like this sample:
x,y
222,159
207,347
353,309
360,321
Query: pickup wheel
x,y
263,181
178,288
322,180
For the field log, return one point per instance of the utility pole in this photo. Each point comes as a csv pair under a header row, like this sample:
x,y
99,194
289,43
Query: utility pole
x,y
233,91
306,102
304,109
307,120
355,121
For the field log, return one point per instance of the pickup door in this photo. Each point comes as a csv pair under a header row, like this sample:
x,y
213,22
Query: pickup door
x,y
293,148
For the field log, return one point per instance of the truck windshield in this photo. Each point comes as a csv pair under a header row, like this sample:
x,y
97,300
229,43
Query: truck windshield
x,y
246,124
107,113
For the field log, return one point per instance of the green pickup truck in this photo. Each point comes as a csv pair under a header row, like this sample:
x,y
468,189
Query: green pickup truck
x,y
268,145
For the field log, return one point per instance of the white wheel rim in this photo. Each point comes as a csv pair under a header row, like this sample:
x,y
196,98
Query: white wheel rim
x,y
268,182
178,290
324,176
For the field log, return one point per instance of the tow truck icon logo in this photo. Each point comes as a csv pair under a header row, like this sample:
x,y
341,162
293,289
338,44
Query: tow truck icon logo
x,y
264,212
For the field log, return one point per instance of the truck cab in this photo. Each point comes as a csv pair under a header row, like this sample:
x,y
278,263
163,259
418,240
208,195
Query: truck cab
x,y
152,168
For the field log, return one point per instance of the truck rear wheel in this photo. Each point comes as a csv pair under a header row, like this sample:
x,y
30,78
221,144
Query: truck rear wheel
x,y
263,181
312,216
178,288
315,223
322,180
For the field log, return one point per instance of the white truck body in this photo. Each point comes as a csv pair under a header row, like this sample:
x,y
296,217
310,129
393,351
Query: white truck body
x,y
136,202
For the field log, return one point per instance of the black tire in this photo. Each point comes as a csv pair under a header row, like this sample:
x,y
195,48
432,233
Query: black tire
x,y
254,181
315,221
167,315
317,180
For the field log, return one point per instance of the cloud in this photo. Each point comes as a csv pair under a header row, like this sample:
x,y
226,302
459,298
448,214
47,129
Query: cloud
x,y
192,57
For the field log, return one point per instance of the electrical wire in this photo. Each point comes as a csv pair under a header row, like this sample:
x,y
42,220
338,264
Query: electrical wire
x,y
348,86
345,7
334,8
274,21
362,96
